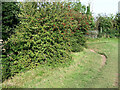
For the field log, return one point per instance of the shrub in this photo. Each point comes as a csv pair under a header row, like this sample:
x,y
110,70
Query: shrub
x,y
117,20
82,22
45,36
9,18
39,39
78,42
117,24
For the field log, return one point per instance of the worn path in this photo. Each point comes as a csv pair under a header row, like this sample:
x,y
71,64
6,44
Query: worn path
x,y
104,58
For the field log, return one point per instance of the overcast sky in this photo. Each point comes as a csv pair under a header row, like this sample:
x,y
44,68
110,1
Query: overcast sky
x,y
102,6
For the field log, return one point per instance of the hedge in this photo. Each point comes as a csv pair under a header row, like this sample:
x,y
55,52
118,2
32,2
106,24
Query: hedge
x,y
45,36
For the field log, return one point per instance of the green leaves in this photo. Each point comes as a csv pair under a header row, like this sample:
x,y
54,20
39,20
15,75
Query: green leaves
x,y
9,18
43,37
107,26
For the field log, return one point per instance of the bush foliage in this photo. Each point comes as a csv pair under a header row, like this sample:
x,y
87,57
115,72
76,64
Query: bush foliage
x,y
46,35
9,18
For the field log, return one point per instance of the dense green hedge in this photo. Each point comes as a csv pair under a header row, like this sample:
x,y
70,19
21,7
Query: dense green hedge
x,y
45,36
10,11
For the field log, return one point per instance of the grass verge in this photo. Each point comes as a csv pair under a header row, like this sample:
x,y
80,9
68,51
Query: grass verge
x,y
84,72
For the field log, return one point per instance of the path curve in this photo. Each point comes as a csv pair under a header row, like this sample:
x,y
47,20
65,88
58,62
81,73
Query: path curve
x,y
103,56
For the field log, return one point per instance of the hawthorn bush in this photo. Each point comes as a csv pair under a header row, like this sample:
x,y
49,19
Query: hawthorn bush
x,y
46,35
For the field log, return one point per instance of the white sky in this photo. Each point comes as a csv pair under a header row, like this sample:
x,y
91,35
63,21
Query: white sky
x,y
102,6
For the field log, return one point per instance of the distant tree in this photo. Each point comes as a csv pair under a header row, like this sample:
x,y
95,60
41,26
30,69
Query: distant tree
x,y
117,19
88,10
108,26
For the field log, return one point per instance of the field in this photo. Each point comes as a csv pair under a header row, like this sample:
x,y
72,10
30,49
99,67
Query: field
x,y
95,67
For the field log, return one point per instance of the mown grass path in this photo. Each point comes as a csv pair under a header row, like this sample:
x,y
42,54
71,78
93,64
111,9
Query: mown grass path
x,y
84,72
108,75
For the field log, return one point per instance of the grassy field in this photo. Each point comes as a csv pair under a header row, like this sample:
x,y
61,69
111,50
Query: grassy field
x,y
84,72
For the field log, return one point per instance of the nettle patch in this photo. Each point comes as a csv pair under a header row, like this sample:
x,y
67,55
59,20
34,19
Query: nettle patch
x,y
45,36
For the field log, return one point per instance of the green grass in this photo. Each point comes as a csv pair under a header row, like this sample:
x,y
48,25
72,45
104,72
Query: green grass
x,y
84,72
108,73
